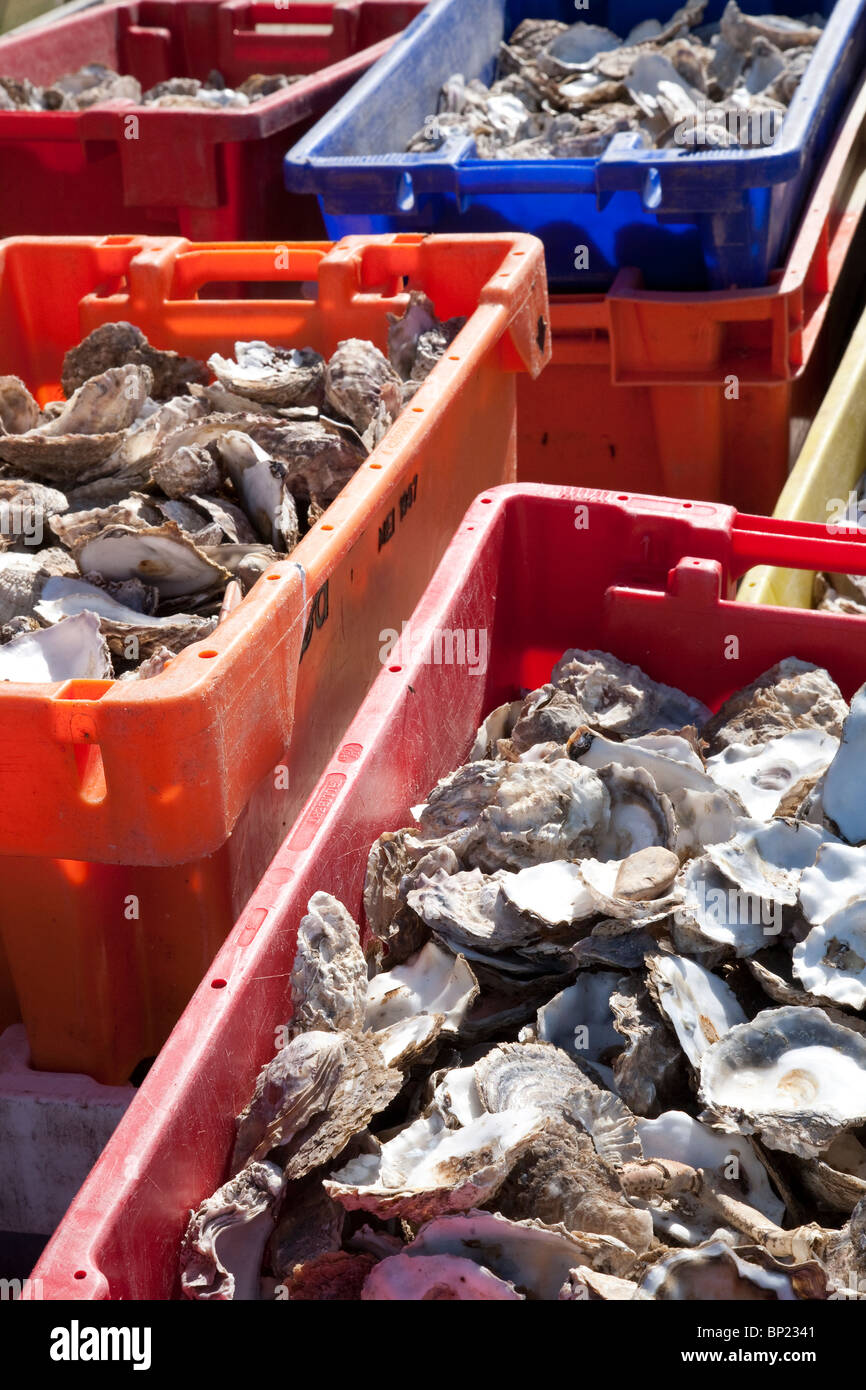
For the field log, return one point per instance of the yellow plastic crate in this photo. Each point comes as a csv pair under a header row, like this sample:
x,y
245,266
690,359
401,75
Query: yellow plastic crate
x,y
830,465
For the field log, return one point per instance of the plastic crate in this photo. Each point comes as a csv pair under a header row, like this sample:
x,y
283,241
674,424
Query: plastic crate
x,y
827,472
687,221
640,391
159,797
536,569
207,175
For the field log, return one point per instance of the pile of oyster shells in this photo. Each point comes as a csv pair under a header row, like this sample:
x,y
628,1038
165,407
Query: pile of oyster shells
x,y
563,91
136,512
617,1046
94,83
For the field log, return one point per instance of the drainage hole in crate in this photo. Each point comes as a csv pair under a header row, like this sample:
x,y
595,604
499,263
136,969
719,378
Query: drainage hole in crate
x,y
205,656
217,984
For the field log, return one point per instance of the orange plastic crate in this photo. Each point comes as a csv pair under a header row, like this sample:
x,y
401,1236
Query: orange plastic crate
x,y
704,395
136,818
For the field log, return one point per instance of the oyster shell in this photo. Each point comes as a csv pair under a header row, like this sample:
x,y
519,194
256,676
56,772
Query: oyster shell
x,y
562,1180
66,598
329,976
225,1239
762,775
699,1006
793,694
262,484
428,1169
19,412
714,1271
85,432
528,1255
831,961
517,1075
649,1069
841,789
430,982
435,1277
358,378
158,555
319,1090
272,375
729,1157
72,649
791,1075
121,344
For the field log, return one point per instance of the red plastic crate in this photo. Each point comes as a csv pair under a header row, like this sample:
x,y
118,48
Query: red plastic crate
x,y
638,394
538,569
207,175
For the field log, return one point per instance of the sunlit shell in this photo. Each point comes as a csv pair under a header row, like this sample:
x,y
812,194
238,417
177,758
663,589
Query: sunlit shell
x,y
357,378
842,787
515,1075
72,649
329,975
272,375
262,484
127,631
793,694
532,1256
700,1007
790,1075
731,1158
120,344
159,555
428,1169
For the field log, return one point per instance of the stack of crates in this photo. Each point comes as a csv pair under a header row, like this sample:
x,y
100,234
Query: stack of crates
x,y
643,327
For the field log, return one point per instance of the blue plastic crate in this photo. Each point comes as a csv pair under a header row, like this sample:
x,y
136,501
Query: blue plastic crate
x,y
720,219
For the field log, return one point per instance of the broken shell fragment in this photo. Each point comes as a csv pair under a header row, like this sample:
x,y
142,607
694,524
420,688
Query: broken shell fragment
x,y
73,649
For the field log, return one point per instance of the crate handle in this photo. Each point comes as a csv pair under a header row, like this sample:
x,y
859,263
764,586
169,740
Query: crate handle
x,y
802,545
172,272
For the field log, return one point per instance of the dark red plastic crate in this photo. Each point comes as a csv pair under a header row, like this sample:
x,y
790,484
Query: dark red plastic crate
x,y
207,175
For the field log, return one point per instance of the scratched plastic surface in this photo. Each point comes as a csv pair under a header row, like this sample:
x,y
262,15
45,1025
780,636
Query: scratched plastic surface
x,y
531,571
137,817
208,175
